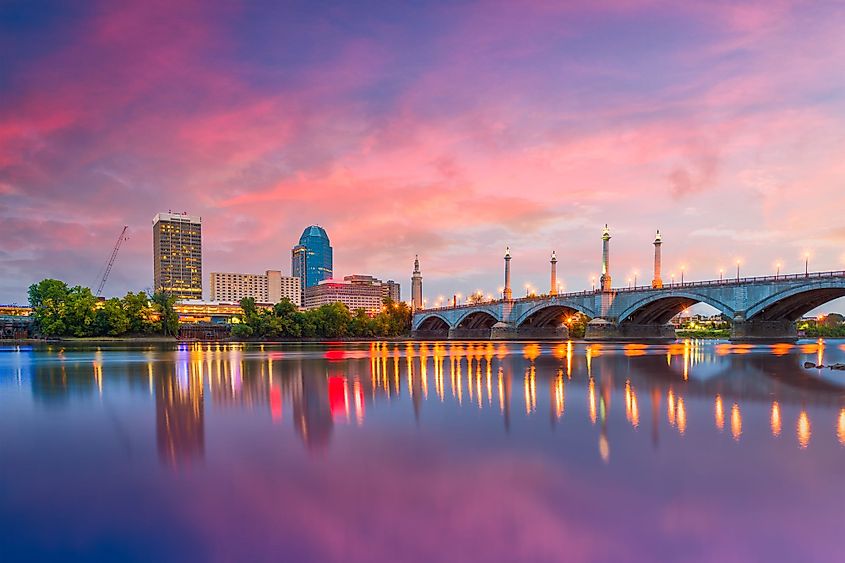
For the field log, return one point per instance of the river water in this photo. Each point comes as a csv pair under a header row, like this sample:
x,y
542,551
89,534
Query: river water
x,y
698,451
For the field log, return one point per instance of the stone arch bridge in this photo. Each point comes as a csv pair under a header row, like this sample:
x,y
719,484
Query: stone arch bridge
x,y
761,308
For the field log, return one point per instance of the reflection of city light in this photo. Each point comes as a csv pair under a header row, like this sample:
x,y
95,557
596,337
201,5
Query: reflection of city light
x,y
592,400
604,448
670,408
682,416
276,403
736,422
775,419
720,413
803,429
559,396
840,427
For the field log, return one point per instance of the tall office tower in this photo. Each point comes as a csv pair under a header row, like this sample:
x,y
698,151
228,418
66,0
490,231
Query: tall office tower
x,y
177,255
416,285
311,259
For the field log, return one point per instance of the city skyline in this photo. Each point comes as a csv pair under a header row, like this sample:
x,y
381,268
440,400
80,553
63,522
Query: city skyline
x,y
450,133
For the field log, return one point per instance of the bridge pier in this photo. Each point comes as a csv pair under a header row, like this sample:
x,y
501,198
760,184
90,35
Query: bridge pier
x,y
603,329
763,331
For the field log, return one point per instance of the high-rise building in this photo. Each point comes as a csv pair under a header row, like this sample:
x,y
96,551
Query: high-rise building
x,y
367,296
270,287
177,255
416,285
311,259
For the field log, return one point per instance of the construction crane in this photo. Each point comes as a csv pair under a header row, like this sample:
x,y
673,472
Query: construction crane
x,y
120,240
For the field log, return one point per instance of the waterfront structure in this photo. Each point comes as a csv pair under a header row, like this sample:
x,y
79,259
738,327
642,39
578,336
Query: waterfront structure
x,y
177,255
760,308
354,295
193,311
416,286
311,258
553,283
657,281
389,289
270,287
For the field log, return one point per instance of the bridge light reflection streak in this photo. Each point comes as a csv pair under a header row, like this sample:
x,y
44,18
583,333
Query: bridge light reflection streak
x,y
775,419
840,427
591,401
719,412
736,422
803,430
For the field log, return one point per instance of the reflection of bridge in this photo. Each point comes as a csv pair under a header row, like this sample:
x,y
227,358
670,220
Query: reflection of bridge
x,y
759,307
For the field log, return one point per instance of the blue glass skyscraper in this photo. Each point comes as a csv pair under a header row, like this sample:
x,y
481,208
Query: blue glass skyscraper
x,y
311,259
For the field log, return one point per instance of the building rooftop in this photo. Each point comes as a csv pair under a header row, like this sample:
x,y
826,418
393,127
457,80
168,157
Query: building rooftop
x,y
313,231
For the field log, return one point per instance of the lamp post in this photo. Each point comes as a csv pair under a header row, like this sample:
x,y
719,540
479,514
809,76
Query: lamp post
x,y
594,283
682,274
777,273
737,270
806,264
721,274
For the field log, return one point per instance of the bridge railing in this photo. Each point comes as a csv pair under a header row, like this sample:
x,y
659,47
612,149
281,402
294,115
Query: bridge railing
x,y
672,285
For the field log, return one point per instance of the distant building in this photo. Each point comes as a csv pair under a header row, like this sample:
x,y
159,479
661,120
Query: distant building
x,y
355,295
389,289
392,290
416,285
311,259
270,287
177,255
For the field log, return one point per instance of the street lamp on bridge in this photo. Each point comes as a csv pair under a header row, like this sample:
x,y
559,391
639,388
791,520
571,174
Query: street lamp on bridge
x,y
738,261
682,274
806,264
777,271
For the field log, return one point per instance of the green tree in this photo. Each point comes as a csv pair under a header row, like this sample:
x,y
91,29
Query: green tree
x,y
48,299
163,303
138,313
110,319
79,311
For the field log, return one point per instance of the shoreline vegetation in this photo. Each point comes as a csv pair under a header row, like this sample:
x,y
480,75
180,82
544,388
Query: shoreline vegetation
x,y
63,312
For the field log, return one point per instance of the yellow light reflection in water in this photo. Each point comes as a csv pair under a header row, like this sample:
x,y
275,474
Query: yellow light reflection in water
x,y
804,431
592,400
682,416
501,391
632,412
775,419
569,359
719,412
559,395
670,408
820,353
840,427
736,422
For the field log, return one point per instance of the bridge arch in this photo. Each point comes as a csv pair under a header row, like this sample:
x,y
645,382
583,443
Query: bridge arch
x,y
433,322
476,318
660,307
793,303
545,313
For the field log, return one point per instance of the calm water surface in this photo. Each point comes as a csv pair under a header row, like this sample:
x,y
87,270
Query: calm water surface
x,y
699,451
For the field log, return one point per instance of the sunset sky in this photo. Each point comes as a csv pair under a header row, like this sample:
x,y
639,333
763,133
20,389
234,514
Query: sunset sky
x,y
444,129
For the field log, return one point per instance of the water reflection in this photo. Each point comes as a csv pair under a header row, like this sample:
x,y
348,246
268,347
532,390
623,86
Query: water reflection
x,y
320,388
